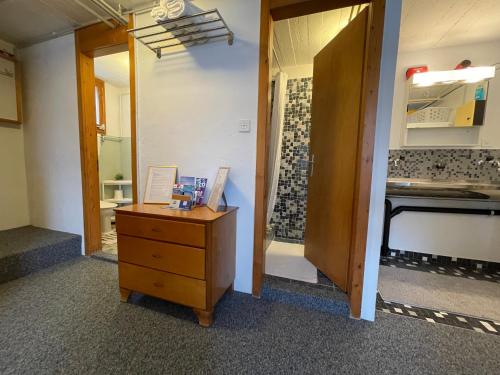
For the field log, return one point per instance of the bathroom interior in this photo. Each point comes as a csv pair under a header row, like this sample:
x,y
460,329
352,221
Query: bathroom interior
x,y
112,104
440,257
296,41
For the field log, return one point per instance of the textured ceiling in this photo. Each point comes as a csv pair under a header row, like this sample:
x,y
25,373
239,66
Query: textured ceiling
x,y
298,40
113,69
24,22
425,24
429,24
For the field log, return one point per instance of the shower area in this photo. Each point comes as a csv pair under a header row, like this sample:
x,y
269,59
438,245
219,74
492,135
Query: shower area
x,y
288,168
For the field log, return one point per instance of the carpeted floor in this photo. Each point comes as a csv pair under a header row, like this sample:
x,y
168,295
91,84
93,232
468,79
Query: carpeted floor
x,y
23,239
478,298
68,319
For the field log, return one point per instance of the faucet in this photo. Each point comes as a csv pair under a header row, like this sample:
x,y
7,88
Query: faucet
x,y
495,164
396,161
440,164
488,158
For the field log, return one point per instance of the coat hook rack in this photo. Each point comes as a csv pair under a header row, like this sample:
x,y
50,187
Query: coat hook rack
x,y
187,31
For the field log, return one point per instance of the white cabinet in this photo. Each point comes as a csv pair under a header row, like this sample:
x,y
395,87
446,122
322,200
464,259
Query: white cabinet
x,y
10,91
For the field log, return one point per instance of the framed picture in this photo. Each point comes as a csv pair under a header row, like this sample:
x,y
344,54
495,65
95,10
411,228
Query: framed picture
x,y
159,185
218,189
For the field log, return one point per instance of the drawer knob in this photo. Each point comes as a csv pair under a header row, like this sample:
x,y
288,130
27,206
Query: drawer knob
x,y
156,256
156,230
158,284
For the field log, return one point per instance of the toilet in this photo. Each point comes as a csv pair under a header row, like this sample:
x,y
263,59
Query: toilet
x,y
106,215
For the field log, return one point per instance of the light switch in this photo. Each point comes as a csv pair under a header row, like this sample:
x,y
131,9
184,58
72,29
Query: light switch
x,y
244,126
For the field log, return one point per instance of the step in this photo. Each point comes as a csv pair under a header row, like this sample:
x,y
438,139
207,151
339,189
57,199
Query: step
x,y
316,297
29,249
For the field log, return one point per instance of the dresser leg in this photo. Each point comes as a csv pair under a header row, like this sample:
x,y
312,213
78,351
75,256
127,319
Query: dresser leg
x,y
205,317
124,294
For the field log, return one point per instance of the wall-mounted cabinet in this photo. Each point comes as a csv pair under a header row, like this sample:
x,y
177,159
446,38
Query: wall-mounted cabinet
x,y
10,91
444,114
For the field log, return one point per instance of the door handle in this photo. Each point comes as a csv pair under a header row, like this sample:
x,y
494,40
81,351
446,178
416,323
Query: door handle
x,y
156,256
156,230
311,163
158,284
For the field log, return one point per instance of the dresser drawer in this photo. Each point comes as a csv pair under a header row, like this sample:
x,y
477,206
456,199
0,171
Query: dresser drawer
x,y
175,288
163,256
180,232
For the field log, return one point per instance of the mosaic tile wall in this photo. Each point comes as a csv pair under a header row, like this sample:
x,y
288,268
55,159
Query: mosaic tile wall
x,y
290,209
458,164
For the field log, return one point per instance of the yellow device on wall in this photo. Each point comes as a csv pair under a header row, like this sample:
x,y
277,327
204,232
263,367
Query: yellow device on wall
x,y
470,114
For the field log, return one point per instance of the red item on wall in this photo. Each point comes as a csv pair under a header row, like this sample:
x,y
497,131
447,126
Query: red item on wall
x,y
417,69
463,64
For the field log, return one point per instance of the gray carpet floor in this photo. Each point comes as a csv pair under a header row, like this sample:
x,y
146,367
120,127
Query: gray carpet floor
x,y
456,294
23,239
68,319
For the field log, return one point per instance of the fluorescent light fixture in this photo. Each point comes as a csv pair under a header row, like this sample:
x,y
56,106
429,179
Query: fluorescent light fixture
x,y
467,75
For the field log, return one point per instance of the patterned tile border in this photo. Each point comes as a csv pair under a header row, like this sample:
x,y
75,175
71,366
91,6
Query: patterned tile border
x,y
109,242
439,317
459,164
437,269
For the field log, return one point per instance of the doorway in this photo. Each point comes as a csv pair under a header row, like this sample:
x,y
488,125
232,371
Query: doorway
x,y
297,42
348,238
112,103
105,130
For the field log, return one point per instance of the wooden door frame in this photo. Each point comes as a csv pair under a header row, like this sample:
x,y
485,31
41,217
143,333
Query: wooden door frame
x,y
94,41
282,9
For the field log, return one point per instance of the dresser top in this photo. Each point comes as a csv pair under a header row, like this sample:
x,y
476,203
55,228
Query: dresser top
x,y
200,214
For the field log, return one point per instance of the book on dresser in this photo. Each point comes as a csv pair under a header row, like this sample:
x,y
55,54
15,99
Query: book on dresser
x,y
185,257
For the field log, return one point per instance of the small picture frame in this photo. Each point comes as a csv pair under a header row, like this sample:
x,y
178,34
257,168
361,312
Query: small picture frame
x,y
217,192
159,185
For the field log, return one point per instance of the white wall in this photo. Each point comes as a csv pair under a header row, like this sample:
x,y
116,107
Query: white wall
x,y
113,110
379,174
452,235
189,104
488,135
13,188
52,135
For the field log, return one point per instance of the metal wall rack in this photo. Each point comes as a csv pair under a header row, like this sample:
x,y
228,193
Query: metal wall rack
x,y
184,31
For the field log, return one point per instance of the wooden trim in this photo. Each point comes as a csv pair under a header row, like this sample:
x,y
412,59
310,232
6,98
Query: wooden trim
x,y
100,40
133,125
94,41
88,149
284,9
368,121
263,115
101,87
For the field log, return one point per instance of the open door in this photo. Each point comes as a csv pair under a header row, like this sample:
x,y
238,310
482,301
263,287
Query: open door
x,y
337,101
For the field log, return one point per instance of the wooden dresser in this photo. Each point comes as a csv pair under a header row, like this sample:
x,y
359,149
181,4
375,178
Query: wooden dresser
x,y
186,257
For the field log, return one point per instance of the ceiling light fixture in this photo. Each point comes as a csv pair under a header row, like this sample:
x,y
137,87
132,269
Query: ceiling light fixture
x,y
468,75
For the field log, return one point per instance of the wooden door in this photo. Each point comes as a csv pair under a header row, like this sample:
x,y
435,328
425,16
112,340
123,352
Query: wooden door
x,y
335,133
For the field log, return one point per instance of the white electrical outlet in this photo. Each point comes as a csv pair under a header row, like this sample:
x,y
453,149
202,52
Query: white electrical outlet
x,y
244,126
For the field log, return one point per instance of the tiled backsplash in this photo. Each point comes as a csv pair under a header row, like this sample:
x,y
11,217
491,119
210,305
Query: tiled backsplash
x,y
457,163
290,209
